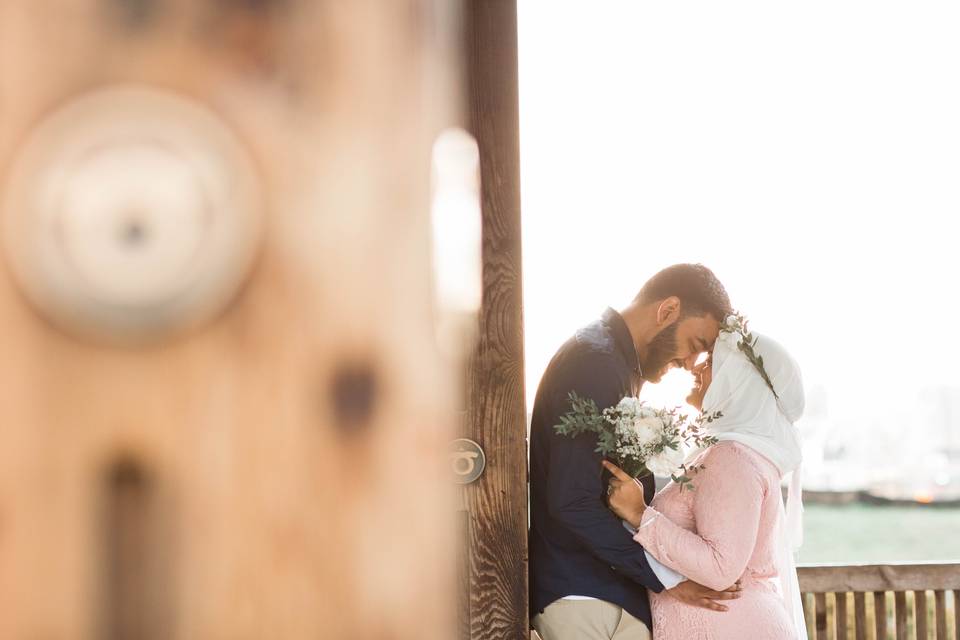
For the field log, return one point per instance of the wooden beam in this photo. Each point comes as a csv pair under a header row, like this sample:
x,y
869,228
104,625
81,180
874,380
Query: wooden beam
x,y
881,577
497,414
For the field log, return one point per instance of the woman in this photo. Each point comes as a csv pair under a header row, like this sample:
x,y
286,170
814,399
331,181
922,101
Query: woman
x,y
732,525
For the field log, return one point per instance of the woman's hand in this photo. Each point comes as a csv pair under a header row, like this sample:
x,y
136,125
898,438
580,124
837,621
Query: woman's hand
x,y
625,495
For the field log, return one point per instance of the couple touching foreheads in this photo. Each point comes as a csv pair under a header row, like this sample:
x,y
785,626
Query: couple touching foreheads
x,y
612,560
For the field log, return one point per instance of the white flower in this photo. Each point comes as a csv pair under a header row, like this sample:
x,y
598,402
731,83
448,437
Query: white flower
x,y
731,338
648,429
629,406
665,463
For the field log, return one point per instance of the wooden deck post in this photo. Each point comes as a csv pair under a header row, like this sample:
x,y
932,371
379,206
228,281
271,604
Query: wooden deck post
x,y
497,503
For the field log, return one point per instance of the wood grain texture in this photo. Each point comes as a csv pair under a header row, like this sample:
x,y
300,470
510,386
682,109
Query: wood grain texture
x,y
498,501
463,573
886,577
298,435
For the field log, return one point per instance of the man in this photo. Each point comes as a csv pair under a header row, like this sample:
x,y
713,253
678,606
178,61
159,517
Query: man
x,y
588,576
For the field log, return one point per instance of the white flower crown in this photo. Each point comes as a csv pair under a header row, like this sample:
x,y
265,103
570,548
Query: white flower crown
x,y
736,323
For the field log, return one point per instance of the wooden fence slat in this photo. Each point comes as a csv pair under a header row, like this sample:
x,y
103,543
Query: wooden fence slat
x,y
900,614
860,615
956,613
880,614
809,614
820,615
940,614
921,608
841,613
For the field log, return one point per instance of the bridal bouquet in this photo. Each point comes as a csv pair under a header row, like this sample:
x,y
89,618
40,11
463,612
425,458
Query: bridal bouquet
x,y
640,439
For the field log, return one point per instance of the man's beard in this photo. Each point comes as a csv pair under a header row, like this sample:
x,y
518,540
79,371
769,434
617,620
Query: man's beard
x,y
661,350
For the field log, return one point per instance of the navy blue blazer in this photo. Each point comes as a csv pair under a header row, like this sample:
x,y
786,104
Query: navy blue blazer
x,y
577,545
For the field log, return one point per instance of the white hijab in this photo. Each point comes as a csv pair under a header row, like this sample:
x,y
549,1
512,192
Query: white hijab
x,y
752,415
755,417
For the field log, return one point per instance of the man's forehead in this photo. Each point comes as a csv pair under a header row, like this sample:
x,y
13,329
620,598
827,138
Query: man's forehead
x,y
705,328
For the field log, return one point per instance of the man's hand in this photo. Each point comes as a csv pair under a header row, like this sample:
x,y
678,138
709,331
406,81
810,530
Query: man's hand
x,y
697,595
625,495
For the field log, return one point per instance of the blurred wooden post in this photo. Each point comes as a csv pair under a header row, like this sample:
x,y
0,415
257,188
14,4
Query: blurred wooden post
x,y
276,469
497,502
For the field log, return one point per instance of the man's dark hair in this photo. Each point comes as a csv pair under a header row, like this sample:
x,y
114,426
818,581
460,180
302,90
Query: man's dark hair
x,y
699,291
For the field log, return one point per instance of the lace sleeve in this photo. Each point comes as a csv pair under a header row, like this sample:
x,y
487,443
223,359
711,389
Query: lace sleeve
x,y
727,505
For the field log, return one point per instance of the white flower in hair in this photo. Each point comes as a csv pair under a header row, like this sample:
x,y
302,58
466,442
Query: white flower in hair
x,y
735,327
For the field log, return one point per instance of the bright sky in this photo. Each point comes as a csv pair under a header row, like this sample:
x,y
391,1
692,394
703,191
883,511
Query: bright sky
x,y
808,153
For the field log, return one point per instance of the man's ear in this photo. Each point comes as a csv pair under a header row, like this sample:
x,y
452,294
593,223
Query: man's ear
x,y
668,312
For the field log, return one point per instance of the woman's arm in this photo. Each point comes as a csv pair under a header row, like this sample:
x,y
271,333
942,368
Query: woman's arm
x,y
726,502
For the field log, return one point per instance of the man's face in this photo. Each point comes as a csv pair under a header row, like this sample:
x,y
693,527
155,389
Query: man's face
x,y
679,345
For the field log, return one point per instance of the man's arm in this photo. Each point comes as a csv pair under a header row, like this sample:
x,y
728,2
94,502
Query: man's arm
x,y
667,576
575,483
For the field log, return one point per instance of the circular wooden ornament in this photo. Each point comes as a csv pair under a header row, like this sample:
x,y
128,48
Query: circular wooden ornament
x,y
131,213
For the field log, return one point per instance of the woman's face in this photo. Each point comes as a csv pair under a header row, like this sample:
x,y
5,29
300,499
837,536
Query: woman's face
x,y
702,375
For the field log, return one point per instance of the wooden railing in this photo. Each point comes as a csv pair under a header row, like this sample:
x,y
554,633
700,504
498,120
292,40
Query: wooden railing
x,y
882,602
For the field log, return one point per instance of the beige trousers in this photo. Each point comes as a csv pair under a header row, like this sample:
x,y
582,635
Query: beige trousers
x,y
588,620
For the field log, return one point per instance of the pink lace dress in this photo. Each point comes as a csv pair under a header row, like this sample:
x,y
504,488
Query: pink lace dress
x,y
726,529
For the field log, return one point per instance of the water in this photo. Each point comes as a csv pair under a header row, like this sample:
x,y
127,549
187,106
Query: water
x,y
858,533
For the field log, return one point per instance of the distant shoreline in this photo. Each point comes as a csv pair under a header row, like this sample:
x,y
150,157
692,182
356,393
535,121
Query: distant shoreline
x,y
872,498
